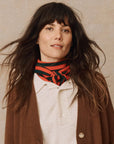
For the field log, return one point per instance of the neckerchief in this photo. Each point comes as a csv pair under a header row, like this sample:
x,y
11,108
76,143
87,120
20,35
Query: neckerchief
x,y
57,72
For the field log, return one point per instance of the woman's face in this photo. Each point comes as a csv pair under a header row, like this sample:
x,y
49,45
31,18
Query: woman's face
x,y
54,41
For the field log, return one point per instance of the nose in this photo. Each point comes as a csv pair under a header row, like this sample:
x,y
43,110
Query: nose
x,y
58,35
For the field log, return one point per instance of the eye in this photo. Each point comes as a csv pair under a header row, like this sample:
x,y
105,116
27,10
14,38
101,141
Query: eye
x,y
49,28
66,30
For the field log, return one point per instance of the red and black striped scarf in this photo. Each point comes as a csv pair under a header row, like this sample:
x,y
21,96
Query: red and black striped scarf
x,y
57,72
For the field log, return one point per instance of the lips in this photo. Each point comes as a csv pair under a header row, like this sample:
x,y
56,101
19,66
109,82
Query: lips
x,y
57,45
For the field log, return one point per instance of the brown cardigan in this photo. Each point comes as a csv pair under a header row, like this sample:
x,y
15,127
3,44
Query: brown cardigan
x,y
24,127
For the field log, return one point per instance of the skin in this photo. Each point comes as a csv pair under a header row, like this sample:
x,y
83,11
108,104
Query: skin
x,y
54,41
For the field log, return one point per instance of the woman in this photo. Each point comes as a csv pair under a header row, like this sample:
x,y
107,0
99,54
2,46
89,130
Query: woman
x,y
56,93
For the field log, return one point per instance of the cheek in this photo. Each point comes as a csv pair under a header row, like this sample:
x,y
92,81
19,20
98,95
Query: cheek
x,y
43,40
41,37
69,42
44,35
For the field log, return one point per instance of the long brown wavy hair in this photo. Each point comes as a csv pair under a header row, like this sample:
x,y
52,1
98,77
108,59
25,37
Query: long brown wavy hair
x,y
83,59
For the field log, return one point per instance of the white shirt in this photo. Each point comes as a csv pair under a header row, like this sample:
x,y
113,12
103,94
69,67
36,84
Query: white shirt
x,y
58,117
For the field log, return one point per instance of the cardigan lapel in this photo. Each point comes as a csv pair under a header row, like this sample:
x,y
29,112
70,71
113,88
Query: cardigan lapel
x,y
33,118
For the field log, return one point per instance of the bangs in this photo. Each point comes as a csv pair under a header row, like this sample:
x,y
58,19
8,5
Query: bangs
x,y
55,11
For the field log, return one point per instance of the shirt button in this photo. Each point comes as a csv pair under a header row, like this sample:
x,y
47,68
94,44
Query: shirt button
x,y
81,135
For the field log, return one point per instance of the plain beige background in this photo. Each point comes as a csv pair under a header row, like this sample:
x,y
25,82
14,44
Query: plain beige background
x,y
97,17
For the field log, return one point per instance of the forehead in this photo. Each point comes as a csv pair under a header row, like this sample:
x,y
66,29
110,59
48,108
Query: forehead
x,y
63,22
56,23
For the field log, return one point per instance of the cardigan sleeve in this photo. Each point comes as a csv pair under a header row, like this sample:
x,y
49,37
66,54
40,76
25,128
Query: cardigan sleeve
x,y
107,123
110,117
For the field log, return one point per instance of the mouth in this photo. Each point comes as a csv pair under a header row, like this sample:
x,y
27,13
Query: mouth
x,y
57,46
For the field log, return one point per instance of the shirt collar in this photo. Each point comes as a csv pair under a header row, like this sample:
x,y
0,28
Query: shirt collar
x,y
39,84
